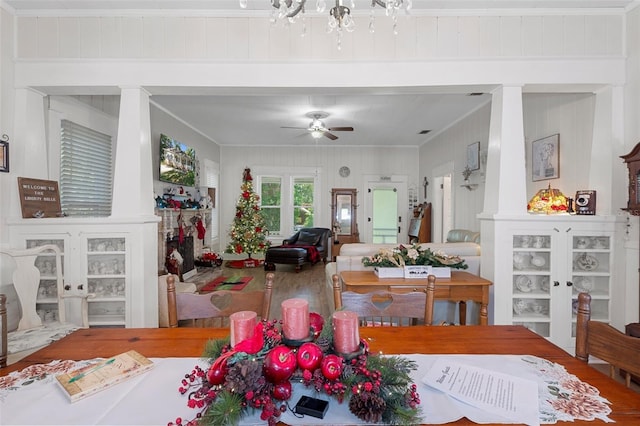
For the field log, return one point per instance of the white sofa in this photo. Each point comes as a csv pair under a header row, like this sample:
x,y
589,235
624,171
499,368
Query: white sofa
x,y
461,243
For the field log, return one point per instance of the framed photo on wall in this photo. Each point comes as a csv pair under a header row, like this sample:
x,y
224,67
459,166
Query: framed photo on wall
x,y
473,156
545,158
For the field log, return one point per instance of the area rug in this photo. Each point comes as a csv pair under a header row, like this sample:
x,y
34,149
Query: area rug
x,y
235,283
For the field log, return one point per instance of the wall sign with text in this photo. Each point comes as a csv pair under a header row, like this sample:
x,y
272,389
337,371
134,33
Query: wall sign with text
x,y
39,198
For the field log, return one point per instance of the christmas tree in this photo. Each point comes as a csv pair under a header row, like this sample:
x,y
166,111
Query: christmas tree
x,y
248,231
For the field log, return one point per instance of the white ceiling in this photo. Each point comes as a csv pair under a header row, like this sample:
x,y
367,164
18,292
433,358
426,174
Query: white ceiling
x,y
377,119
255,117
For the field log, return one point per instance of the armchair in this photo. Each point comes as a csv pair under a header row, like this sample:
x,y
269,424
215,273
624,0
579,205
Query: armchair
x,y
307,245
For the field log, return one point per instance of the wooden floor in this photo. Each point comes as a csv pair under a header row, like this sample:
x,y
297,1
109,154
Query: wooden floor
x,y
309,284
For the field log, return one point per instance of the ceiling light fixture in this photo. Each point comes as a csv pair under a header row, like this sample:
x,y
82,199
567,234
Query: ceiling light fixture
x,y
316,133
340,18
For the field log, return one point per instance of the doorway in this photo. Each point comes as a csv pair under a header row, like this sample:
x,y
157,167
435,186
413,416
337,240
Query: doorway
x,y
386,221
442,202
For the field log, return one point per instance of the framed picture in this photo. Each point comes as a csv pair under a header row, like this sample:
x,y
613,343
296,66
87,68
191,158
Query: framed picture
x,y
473,156
545,158
4,154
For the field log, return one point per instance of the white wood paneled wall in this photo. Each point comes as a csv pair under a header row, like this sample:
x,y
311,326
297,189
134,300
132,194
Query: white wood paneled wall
x,y
385,161
255,39
570,115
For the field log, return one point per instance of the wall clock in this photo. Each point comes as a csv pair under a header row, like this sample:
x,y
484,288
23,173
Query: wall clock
x,y
344,171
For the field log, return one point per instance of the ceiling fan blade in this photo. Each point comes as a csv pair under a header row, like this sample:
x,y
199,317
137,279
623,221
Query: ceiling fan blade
x,y
288,127
341,129
330,136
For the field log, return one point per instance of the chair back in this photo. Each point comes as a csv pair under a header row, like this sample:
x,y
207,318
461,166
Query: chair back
x,y
213,309
26,280
605,342
387,308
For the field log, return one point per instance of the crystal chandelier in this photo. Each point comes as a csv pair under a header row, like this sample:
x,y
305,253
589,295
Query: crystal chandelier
x,y
391,8
340,18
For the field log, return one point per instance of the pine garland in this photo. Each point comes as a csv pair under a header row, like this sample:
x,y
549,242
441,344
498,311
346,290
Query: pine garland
x,y
214,348
226,410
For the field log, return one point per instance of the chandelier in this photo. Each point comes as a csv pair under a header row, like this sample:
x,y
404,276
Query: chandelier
x,y
340,18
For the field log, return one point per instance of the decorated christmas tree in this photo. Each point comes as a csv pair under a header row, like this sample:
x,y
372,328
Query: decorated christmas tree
x,y
248,231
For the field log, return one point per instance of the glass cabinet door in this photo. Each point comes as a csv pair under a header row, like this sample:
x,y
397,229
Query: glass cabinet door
x,y
531,281
591,273
106,281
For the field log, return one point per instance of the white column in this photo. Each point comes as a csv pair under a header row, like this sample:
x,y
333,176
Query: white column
x,y
506,189
606,147
506,186
28,148
133,176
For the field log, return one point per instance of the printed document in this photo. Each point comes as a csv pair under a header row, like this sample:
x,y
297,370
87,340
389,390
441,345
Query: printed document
x,y
502,394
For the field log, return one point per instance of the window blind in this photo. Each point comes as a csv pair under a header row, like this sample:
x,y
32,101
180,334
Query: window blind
x,y
86,171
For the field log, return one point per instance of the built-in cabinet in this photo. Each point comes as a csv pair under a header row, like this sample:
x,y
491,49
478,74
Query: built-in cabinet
x,y
549,263
98,262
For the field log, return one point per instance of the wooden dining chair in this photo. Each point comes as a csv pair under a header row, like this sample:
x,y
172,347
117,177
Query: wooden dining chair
x,y
213,309
605,343
387,308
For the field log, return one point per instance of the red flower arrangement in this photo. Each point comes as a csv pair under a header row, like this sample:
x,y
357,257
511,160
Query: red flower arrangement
x,y
257,375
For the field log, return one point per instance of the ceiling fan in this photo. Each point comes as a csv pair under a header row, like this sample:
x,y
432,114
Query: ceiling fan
x,y
317,127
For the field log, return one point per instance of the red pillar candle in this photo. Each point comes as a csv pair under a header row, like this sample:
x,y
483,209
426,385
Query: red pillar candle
x,y
295,319
242,325
346,337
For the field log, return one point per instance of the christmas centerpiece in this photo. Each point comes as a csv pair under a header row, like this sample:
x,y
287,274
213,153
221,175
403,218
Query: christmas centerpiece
x,y
406,261
248,232
256,368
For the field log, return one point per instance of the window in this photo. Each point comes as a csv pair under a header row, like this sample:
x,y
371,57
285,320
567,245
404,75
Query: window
x,y
271,202
86,171
288,201
303,202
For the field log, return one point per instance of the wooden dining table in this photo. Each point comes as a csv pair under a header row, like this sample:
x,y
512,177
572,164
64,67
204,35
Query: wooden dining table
x,y
459,288
189,342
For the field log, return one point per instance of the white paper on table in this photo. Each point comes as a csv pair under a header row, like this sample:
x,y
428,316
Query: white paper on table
x,y
497,393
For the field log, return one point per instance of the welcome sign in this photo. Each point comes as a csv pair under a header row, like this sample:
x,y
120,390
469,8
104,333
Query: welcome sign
x,y
39,198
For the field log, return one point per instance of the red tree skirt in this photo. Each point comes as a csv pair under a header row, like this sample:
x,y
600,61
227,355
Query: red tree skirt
x,y
245,263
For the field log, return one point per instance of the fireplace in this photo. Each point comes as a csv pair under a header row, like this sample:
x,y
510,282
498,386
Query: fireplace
x,y
186,251
191,247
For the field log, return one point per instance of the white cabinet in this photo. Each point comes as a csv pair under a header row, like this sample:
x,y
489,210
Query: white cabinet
x,y
98,267
551,261
104,260
107,279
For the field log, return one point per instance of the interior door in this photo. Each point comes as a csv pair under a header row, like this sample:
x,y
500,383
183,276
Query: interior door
x,y
383,221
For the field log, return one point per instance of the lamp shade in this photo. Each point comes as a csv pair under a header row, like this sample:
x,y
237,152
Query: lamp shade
x,y
548,201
